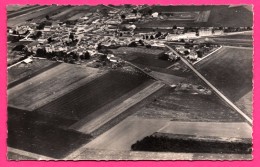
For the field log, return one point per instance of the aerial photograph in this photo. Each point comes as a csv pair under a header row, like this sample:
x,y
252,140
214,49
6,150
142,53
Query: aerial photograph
x,y
129,82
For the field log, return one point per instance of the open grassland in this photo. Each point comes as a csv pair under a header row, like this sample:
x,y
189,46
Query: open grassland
x,y
94,95
21,72
49,85
230,71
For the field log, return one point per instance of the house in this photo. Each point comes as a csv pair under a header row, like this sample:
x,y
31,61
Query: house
x,y
28,60
33,46
47,28
155,14
205,32
171,55
193,55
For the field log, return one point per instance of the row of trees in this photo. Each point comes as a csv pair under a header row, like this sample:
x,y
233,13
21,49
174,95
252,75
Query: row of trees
x,y
166,144
61,55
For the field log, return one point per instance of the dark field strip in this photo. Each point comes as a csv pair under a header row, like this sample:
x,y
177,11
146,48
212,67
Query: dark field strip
x,y
95,94
148,61
28,132
165,144
237,36
9,16
12,84
21,9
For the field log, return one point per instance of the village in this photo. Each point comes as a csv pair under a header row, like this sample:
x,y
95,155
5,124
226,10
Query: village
x,y
84,38
129,82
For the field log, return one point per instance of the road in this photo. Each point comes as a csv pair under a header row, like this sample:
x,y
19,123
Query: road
x,y
231,104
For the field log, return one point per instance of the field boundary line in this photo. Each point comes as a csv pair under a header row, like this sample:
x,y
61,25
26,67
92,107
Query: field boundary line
x,y
249,120
29,154
238,47
207,56
29,13
115,111
61,93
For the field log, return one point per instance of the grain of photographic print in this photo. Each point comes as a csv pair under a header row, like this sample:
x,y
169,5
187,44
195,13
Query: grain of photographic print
x,y
129,82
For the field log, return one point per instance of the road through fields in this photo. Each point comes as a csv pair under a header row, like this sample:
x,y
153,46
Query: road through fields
x,y
249,120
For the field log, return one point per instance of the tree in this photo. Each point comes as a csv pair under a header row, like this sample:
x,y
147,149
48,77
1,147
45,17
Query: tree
x,y
50,40
150,11
141,42
151,37
123,16
132,44
148,46
102,57
164,56
37,35
158,34
41,26
104,12
199,53
134,11
187,45
47,17
186,52
71,36
174,27
86,55
124,28
19,48
41,52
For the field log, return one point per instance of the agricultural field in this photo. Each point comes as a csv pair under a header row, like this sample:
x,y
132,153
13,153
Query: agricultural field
x,y
244,36
190,104
25,10
29,132
49,85
35,15
221,15
126,133
230,71
23,71
80,102
142,57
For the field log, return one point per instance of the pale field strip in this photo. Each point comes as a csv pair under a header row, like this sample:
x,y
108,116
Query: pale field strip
x,y
15,21
213,129
13,18
249,120
58,81
28,154
96,123
245,103
142,155
10,15
69,88
207,55
203,16
121,137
